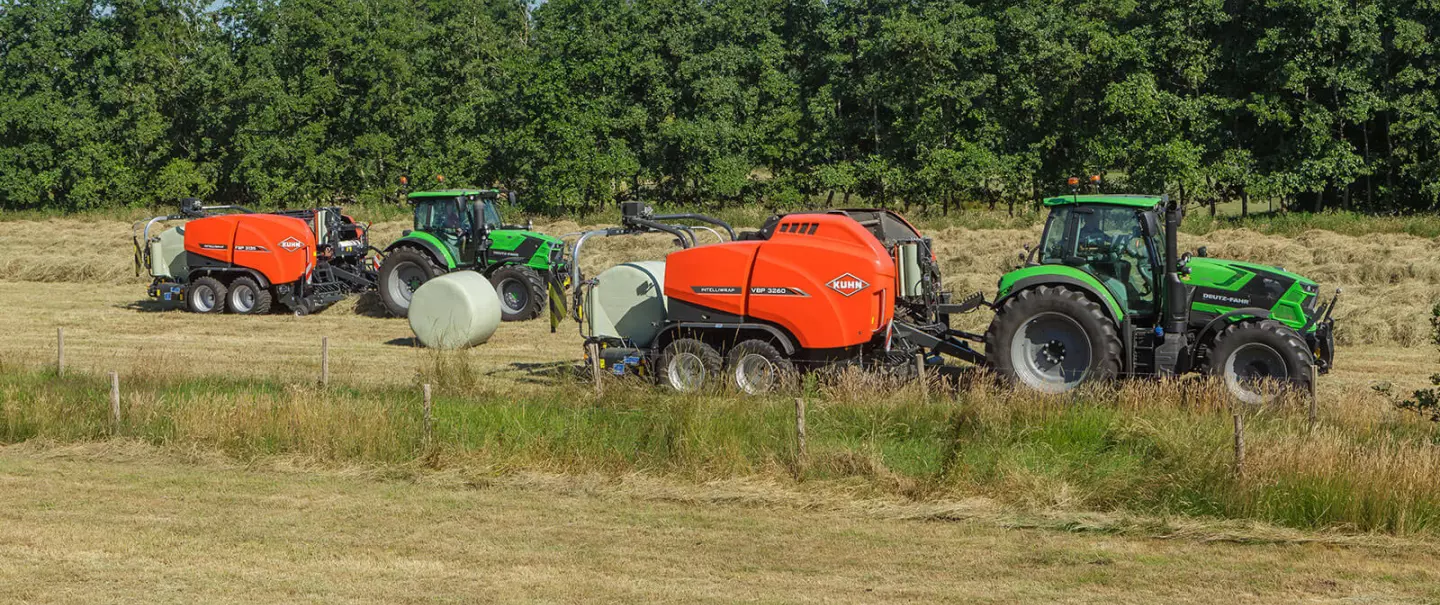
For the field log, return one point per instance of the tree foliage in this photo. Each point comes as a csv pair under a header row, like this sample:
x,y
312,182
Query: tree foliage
x,y
579,103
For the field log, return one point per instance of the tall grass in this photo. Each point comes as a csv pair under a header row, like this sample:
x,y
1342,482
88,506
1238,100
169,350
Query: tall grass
x,y
1143,447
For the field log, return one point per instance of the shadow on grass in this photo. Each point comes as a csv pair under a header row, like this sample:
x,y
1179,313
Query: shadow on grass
x,y
151,306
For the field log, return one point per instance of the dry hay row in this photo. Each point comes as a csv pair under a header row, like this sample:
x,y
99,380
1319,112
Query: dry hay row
x,y
1391,281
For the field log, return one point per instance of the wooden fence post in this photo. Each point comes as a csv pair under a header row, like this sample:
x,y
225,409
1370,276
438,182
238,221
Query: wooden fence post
x,y
801,454
425,390
59,351
920,374
1314,416
115,402
324,361
595,366
1239,445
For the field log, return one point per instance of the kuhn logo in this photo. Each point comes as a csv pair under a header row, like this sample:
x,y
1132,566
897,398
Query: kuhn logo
x,y
291,244
847,284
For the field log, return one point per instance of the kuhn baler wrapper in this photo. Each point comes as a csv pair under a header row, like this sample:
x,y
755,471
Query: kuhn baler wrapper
x,y
244,261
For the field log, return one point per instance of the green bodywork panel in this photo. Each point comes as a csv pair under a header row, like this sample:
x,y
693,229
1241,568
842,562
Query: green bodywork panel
x,y
1008,281
1132,201
449,193
510,240
1233,276
445,249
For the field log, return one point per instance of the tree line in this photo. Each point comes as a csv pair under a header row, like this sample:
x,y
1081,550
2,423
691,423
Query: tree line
x,y
788,103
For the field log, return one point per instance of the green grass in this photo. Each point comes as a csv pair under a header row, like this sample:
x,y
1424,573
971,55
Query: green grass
x,y
1100,451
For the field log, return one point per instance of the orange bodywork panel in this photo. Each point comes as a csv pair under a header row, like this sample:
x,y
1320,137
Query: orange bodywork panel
x,y
281,248
824,278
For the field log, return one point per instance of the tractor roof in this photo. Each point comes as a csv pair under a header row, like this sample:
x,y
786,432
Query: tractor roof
x,y
450,193
1133,201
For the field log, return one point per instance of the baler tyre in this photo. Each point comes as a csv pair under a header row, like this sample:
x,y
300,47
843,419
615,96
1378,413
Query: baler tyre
x,y
756,367
1053,339
689,365
401,274
207,295
1250,355
522,292
246,297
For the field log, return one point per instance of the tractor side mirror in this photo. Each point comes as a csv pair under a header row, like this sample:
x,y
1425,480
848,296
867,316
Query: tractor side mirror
x,y
1203,252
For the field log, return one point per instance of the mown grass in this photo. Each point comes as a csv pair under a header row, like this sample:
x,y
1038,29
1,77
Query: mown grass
x,y
1161,449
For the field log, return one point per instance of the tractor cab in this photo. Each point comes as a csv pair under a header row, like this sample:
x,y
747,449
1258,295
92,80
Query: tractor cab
x,y
459,218
1118,240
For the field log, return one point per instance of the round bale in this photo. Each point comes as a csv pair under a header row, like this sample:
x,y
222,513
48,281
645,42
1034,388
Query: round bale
x,y
455,311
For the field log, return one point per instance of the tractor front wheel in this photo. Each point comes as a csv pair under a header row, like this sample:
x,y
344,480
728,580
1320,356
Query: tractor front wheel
x,y
401,274
247,297
757,367
207,295
1259,358
522,292
689,365
1052,339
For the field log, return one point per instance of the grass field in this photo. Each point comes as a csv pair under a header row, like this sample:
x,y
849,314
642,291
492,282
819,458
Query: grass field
x,y
204,395
119,523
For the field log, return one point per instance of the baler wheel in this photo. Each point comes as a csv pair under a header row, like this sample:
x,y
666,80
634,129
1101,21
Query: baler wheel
x,y
207,295
1259,358
689,365
1052,339
247,297
756,367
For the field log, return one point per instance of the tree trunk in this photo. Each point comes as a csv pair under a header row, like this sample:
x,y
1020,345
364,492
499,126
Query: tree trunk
x,y
830,199
1244,203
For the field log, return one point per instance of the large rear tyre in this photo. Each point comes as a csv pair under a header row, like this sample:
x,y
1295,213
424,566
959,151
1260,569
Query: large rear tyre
x,y
207,295
522,292
755,367
246,297
1258,359
401,274
688,365
1053,339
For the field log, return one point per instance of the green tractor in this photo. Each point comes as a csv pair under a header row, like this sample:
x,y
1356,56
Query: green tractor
x,y
1107,294
461,229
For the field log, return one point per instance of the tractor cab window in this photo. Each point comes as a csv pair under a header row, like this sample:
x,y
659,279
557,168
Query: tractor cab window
x,y
492,216
1112,244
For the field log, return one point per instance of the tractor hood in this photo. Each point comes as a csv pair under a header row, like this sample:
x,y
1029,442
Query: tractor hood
x,y
1221,285
550,239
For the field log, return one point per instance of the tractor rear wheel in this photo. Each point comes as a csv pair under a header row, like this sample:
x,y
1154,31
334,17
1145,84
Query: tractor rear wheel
x,y
207,295
247,297
689,365
1259,358
522,292
756,367
1053,339
401,274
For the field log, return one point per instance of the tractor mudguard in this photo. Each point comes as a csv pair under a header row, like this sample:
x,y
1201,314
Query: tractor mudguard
x,y
1030,277
786,342
429,243
1218,323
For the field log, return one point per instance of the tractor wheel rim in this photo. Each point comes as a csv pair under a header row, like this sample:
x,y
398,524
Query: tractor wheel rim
x,y
408,277
513,295
204,299
686,372
1253,370
755,374
1051,352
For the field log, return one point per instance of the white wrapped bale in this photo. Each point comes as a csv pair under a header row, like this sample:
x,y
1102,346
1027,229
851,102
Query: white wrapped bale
x,y
628,302
455,311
